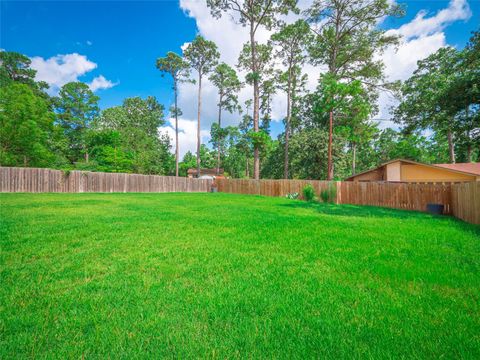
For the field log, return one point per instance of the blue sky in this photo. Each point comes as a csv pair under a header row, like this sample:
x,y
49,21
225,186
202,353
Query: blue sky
x,y
123,38
117,42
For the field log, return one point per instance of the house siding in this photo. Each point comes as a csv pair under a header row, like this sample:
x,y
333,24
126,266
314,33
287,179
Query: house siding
x,y
413,173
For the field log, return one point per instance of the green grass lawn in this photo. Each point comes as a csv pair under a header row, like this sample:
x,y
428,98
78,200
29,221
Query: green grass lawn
x,y
221,276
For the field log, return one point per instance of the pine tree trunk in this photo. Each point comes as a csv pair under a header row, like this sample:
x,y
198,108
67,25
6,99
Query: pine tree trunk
x,y
330,135
354,157
85,148
287,127
451,147
256,104
176,130
219,147
198,123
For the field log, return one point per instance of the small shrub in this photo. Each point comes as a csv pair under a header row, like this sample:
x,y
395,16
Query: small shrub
x,y
292,196
309,192
329,194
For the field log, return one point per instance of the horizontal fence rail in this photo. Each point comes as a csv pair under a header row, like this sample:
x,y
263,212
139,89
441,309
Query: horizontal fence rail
x,y
47,180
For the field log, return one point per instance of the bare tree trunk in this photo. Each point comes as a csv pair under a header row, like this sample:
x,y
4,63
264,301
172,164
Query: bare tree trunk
x,y
354,159
176,131
198,123
287,127
451,147
256,104
467,135
247,170
330,134
85,148
220,135
333,70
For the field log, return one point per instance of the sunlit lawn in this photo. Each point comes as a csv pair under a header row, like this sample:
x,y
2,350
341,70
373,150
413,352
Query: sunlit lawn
x,y
221,276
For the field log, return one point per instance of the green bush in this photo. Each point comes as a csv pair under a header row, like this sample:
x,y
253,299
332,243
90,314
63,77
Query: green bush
x,y
309,192
329,194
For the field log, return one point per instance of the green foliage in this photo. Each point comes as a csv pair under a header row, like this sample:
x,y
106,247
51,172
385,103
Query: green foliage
x,y
126,138
76,106
26,126
308,192
263,68
226,81
254,13
189,161
443,95
15,67
329,195
173,65
201,55
259,139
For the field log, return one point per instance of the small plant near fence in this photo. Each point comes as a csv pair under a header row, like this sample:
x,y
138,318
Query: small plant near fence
x,y
309,192
292,196
329,194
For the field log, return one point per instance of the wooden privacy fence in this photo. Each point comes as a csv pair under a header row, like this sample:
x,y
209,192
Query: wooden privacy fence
x,y
47,180
394,195
268,187
466,201
461,199
408,196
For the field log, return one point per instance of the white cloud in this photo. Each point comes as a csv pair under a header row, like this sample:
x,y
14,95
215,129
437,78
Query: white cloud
x,y
420,37
422,25
100,82
61,69
187,135
89,43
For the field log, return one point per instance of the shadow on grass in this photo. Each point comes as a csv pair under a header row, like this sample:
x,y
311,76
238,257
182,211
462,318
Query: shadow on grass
x,y
374,211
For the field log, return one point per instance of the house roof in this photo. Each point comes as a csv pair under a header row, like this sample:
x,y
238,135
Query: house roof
x,y
471,168
460,168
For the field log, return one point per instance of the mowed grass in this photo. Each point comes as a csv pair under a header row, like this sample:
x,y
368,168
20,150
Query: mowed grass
x,y
230,276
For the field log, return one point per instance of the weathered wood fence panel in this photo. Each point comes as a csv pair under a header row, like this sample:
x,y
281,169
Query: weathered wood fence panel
x,y
394,195
47,180
466,201
408,196
268,187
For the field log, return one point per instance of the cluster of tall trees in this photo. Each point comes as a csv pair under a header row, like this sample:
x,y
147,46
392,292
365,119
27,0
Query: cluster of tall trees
x,y
329,132
443,95
69,131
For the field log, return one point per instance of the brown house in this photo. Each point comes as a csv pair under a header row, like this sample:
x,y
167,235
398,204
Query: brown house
x,y
192,173
400,170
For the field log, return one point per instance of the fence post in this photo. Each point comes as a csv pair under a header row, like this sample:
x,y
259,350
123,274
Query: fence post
x,y
338,185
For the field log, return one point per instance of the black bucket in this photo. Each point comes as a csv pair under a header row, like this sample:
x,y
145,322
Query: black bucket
x,y
436,209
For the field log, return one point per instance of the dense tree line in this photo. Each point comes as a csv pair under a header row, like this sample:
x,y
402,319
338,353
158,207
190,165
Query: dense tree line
x,y
329,132
69,131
